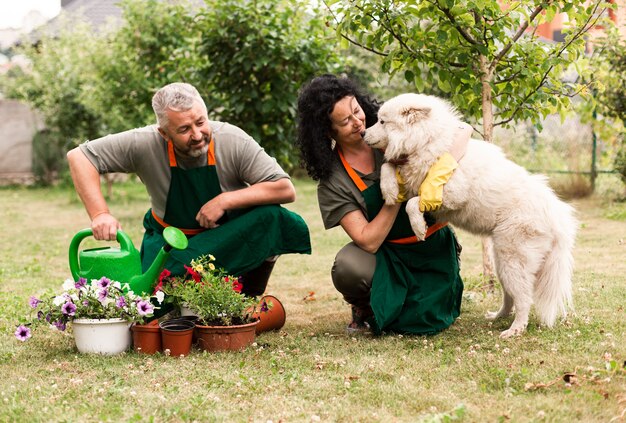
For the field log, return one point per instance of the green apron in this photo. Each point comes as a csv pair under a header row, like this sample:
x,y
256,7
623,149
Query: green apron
x,y
416,287
240,243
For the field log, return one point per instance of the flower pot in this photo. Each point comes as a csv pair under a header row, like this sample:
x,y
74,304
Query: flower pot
x,y
272,319
186,311
225,338
176,336
101,336
147,338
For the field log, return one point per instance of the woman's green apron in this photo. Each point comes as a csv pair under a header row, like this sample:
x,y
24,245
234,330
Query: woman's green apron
x,y
416,286
240,243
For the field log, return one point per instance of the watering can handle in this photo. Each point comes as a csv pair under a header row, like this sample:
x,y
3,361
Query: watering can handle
x,y
126,244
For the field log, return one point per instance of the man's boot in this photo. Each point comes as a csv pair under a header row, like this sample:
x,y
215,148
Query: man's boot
x,y
255,281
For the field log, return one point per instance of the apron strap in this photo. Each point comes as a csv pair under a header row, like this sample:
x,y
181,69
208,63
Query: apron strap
x,y
210,154
413,239
352,173
185,231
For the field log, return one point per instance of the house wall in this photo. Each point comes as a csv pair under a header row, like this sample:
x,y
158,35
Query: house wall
x,y
18,125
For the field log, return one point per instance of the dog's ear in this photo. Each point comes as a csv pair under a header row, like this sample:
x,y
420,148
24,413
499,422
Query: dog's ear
x,y
414,114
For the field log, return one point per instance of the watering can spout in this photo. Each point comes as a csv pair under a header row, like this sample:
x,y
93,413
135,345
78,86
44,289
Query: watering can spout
x,y
174,239
122,264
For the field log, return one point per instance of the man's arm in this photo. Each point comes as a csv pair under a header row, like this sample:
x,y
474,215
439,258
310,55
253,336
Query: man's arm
x,y
87,184
275,192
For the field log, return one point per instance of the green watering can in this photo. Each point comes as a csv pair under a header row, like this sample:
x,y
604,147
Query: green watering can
x,y
122,264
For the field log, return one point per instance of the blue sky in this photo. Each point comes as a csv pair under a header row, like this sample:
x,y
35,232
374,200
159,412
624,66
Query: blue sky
x,y
13,11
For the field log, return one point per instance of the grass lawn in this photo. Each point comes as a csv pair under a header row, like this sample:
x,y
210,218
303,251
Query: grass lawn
x,y
312,370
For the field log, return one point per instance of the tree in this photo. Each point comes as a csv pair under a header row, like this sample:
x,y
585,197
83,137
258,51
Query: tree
x,y
609,76
149,50
485,55
254,56
53,84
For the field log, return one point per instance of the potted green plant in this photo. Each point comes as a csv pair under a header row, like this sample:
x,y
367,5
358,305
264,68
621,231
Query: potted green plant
x,y
225,316
100,312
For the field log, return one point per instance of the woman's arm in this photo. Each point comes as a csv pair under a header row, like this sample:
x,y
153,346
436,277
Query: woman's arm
x,y
370,235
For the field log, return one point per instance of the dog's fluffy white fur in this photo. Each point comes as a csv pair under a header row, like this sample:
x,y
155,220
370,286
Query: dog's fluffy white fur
x,y
533,231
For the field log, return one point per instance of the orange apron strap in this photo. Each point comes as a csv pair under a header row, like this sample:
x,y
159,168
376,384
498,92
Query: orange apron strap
x,y
351,172
210,158
210,155
170,154
185,231
413,239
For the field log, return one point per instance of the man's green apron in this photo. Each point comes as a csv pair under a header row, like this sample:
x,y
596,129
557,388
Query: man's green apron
x,y
416,286
240,243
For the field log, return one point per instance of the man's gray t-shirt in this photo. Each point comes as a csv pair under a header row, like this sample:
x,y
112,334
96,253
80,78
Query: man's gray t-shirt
x,y
240,160
338,195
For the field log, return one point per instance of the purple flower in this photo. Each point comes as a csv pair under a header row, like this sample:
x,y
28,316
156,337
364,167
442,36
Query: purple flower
x,y
40,315
22,333
48,317
85,303
68,308
121,302
104,282
264,306
34,302
102,294
60,325
144,308
81,282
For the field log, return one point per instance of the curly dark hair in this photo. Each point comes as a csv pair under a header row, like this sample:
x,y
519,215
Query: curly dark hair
x,y
315,104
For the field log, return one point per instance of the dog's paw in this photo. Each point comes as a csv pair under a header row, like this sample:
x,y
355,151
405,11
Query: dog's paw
x,y
388,183
416,218
510,332
492,315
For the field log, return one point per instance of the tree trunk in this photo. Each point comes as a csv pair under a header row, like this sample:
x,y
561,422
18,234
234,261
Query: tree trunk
x,y
485,78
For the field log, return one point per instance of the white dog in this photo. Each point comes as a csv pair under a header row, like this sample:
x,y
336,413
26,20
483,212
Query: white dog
x,y
533,231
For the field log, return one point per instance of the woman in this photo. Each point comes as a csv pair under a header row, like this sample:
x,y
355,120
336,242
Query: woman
x,y
391,285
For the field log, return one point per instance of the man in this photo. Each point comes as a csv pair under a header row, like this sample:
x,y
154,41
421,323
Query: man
x,y
210,179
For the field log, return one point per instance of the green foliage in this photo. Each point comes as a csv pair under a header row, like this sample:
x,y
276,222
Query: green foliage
x,y
253,57
148,51
247,59
210,293
608,69
48,158
54,84
474,51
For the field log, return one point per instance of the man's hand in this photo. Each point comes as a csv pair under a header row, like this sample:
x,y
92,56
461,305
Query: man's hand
x,y
431,190
105,226
211,212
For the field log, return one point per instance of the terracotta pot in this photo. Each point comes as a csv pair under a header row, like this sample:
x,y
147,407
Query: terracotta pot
x,y
176,336
272,319
147,338
225,338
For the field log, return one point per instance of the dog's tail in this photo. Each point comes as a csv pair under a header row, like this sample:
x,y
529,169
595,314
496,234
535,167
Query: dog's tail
x,y
553,289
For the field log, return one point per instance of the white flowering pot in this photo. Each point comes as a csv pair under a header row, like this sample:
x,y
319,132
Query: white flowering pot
x,y
186,311
102,336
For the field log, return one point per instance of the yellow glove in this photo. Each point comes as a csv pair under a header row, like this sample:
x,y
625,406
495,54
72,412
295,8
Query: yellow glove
x,y
401,188
431,190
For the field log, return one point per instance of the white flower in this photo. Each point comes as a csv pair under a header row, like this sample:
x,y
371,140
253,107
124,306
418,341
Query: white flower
x,y
160,296
117,284
68,284
58,300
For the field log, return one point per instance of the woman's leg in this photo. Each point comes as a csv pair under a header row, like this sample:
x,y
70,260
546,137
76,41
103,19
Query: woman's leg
x,y
352,275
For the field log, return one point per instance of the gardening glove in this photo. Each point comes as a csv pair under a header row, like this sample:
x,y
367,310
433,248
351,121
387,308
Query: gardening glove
x,y
401,198
431,190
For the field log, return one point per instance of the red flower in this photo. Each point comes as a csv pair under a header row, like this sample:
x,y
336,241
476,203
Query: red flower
x,y
237,286
164,275
194,275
